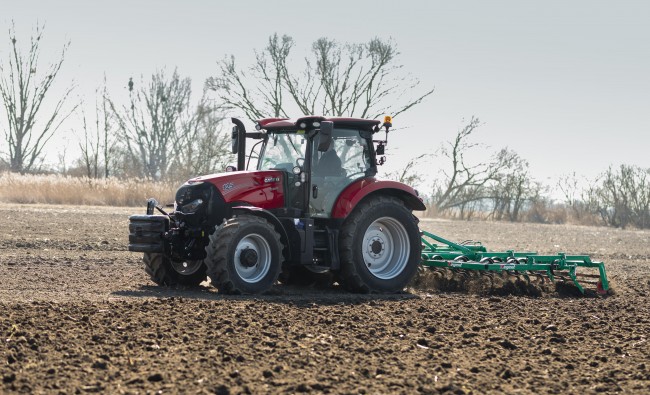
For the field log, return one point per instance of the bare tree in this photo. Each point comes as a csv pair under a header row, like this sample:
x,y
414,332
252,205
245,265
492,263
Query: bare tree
x,y
361,80
512,188
568,185
465,182
151,124
205,143
408,174
624,196
23,88
582,200
97,144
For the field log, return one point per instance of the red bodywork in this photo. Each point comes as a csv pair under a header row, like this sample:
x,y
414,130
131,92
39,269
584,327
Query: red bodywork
x,y
262,188
353,193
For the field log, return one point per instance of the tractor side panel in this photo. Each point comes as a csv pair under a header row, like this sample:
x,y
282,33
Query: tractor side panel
x,y
263,189
355,192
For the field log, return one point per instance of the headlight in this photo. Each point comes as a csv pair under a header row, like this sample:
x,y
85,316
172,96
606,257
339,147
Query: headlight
x,y
192,206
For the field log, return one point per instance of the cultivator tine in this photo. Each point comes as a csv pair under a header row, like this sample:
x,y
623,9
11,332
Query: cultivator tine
x,y
572,274
438,271
512,273
490,277
471,259
561,277
487,274
541,277
464,275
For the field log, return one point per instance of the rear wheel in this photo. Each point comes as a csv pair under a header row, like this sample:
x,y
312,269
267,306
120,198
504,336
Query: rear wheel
x,y
163,271
380,246
244,255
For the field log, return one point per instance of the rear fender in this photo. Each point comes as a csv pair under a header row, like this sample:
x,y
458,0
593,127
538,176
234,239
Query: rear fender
x,y
367,187
260,212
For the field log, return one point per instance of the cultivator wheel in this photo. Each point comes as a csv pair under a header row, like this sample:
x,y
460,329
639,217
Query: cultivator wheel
x,y
462,264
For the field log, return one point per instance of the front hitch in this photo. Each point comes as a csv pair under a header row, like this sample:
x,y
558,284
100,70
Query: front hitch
x,y
146,233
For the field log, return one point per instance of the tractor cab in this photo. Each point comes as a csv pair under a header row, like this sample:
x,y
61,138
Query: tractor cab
x,y
318,156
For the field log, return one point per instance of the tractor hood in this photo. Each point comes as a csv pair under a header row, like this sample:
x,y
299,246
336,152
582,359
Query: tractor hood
x,y
260,188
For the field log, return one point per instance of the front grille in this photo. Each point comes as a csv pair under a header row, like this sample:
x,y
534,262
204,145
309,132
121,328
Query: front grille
x,y
213,209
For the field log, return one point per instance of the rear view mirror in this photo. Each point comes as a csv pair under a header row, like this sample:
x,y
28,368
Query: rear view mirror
x,y
380,149
235,140
325,136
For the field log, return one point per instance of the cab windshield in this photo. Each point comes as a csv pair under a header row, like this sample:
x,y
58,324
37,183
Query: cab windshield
x,y
281,151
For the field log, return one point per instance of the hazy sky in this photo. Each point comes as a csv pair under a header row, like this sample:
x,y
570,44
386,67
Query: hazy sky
x,y
566,84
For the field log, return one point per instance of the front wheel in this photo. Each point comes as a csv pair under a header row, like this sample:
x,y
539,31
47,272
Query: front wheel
x,y
164,271
244,256
380,246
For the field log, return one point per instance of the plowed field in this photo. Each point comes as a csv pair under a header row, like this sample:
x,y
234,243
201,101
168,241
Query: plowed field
x,y
78,314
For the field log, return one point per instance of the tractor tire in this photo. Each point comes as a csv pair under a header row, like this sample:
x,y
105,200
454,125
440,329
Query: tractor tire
x,y
244,256
380,246
165,272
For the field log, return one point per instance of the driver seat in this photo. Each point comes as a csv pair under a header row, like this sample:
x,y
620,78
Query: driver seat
x,y
330,165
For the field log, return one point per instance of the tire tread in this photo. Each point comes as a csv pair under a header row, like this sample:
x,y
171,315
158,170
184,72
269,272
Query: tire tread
x,y
350,277
217,258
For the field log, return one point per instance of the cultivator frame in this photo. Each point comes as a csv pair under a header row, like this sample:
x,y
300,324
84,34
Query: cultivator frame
x,y
472,257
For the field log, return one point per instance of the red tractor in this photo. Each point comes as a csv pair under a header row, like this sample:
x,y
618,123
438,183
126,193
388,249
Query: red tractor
x,y
312,210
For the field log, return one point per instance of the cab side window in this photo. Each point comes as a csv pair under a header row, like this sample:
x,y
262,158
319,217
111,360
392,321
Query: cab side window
x,y
347,157
347,160
353,151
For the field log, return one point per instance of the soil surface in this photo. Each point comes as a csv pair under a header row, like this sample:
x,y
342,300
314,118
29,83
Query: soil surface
x,y
78,314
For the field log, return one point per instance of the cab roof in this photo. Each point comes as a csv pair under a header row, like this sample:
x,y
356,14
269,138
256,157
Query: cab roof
x,y
272,124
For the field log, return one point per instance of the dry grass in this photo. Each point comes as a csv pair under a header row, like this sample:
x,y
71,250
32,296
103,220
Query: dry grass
x,y
57,189
54,189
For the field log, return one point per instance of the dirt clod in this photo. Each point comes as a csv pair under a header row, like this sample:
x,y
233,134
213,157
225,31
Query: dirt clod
x,y
156,377
9,378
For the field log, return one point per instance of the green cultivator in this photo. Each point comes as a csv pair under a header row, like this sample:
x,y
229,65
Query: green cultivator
x,y
471,259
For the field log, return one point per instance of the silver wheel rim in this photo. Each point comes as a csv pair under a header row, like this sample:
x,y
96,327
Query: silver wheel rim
x,y
257,243
187,268
386,248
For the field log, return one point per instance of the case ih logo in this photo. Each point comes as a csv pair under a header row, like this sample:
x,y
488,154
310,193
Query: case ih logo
x,y
228,186
271,179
